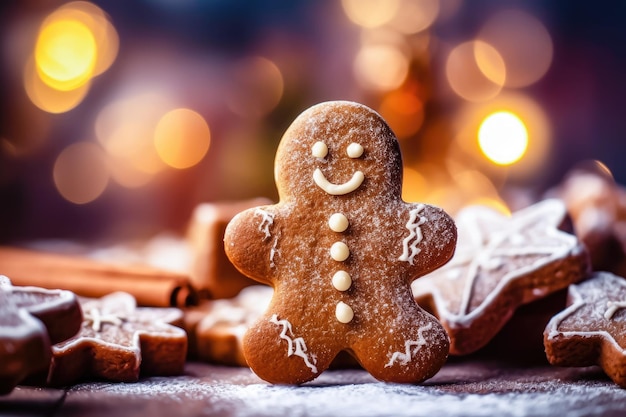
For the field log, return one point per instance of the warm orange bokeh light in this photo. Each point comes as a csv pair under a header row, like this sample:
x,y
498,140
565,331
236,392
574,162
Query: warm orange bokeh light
x,y
182,138
50,99
258,88
80,172
404,112
475,71
524,44
370,13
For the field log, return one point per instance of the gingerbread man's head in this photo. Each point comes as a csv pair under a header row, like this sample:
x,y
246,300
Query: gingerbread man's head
x,y
342,148
341,249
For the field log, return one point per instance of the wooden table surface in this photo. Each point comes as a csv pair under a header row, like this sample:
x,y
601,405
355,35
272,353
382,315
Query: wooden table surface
x,y
464,388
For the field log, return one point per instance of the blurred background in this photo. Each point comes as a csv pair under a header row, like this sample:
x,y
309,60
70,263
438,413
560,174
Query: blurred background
x,y
117,118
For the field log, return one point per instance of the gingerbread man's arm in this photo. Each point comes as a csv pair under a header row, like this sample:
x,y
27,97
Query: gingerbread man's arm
x,y
250,242
429,239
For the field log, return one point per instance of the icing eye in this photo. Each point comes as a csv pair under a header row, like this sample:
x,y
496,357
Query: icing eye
x,y
319,150
354,150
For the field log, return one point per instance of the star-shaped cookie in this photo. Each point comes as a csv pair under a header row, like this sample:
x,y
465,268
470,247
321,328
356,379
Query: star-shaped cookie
x,y
31,319
118,341
592,329
500,263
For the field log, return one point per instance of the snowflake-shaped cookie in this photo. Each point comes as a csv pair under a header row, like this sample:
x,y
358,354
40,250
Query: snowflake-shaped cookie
x,y
500,263
118,341
592,329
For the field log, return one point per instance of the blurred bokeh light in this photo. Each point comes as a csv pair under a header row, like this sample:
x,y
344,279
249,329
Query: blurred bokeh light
x,y
121,117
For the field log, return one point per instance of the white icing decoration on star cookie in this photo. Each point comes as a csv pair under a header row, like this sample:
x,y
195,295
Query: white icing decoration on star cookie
x,y
319,150
338,189
612,307
338,222
354,150
267,220
339,251
344,312
295,346
411,347
415,234
97,319
342,281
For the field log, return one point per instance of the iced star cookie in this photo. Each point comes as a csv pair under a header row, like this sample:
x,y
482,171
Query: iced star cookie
x,y
341,249
500,263
31,319
117,341
592,329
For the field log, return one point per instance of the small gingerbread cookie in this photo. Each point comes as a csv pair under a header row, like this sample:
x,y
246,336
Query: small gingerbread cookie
x,y
592,329
31,319
118,340
500,263
341,249
218,336
211,273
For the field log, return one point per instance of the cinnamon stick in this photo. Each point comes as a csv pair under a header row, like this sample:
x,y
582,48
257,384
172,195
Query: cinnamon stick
x,y
150,286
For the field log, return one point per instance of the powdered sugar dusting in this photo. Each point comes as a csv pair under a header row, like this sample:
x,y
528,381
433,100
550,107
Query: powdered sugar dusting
x,y
458,390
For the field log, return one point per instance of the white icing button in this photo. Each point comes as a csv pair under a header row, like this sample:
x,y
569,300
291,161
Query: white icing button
x,y
339,251
319,150
342,280
344,312
354,150
338,222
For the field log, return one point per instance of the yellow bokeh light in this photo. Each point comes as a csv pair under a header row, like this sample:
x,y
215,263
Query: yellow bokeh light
x,y
370,13
105,35
65,54
475,71
50,99
503,138
182,138
81,173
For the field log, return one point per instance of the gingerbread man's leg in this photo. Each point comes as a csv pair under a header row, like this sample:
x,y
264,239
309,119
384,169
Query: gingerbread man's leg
x,y
283,352
411,348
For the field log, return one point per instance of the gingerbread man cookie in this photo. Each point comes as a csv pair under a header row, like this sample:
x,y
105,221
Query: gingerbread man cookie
x,y
341,249
592,329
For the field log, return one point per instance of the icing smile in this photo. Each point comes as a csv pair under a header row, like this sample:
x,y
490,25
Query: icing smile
x,y
338,189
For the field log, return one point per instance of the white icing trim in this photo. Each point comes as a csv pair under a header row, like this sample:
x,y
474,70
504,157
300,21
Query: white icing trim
x,y
414,233
299,343
578,302
411,347
273,252
97,319
267,220
338,189
612,307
